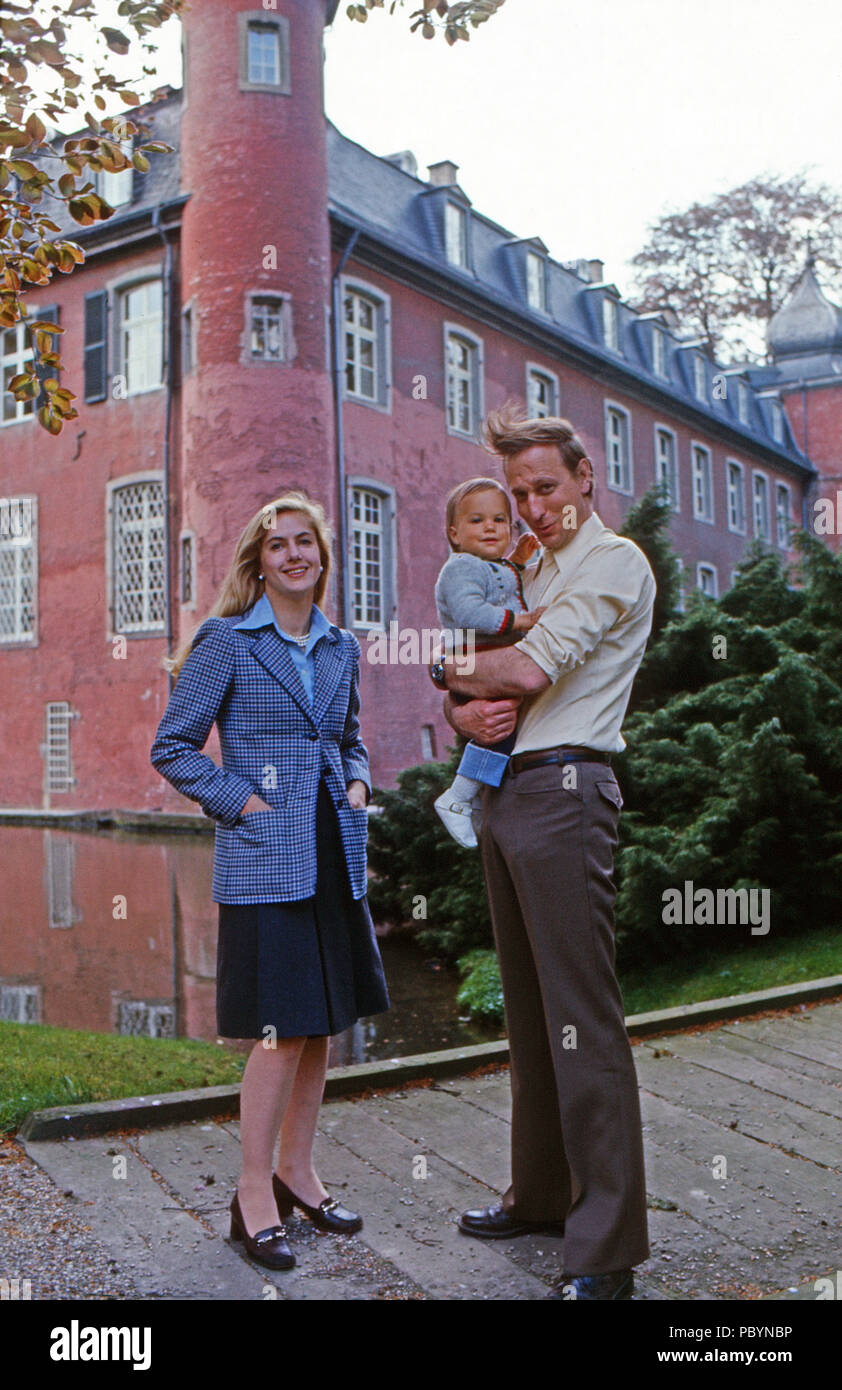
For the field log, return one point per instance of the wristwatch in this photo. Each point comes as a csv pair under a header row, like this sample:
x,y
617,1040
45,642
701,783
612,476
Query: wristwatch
x,y
438,675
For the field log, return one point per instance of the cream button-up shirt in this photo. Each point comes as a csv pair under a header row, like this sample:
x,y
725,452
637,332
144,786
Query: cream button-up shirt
x,y
599,590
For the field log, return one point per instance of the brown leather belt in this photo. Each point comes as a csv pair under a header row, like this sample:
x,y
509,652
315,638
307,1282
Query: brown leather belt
x,y
543,756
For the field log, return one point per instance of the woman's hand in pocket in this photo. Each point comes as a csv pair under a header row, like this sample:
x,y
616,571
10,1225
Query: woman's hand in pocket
x,y
255,803
358,795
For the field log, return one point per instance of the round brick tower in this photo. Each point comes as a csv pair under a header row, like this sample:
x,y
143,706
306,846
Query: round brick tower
x,y
805,342
256,405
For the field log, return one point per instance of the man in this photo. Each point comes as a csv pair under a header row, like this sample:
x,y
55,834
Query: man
x,y
548,837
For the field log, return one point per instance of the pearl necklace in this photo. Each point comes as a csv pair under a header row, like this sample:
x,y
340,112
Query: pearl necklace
x,y
302,640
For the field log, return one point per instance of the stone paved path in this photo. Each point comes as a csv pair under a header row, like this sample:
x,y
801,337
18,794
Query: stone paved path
x,y
743,1135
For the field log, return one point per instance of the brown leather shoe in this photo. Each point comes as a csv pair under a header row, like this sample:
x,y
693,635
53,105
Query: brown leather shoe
x,y
495,1223
327,1216
267,1247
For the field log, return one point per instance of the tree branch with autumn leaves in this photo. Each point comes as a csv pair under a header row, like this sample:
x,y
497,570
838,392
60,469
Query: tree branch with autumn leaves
x,y
32,248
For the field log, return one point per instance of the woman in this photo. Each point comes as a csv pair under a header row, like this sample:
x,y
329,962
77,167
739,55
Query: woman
x,y
297,958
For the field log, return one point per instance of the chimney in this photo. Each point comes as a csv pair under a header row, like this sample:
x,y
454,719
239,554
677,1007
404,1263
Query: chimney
x,y
596,270
443,174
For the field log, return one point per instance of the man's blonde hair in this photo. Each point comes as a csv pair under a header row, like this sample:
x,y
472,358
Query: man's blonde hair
x,y
510,430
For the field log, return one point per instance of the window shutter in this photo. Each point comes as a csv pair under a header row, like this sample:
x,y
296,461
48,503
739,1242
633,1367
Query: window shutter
x,y
96,351
49,315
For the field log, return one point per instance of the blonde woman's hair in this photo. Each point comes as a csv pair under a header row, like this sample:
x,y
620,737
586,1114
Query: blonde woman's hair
x,y
241,587
463,490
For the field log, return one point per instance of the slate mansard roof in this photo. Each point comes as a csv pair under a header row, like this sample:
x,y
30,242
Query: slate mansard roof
x,y
400,222
394,210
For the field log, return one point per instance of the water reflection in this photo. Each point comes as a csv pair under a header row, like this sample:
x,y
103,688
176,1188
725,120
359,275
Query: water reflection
x,y
116,932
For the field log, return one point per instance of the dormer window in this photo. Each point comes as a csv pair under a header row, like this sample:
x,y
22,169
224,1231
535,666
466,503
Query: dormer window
x,y
777,421
536,281
610,324
117,189
742,402
700,381
659,352
456,234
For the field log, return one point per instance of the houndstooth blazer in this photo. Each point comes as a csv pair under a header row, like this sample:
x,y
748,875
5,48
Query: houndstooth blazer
x,y
274,743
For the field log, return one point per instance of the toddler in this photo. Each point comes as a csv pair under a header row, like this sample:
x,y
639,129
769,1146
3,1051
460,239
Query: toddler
x,y
479,589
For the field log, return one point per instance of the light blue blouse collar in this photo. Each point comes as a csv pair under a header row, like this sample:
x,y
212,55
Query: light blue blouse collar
x,y
262,614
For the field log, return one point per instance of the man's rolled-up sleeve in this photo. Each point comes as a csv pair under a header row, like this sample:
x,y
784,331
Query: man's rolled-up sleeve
x,y
196,699
575,623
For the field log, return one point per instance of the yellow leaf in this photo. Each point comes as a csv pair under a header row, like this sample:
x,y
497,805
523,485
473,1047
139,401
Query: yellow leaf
x,y
49,420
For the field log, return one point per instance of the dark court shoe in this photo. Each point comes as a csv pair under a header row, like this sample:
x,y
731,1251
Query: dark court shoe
x,y
592,1288
495,1223
328,1215
267,1247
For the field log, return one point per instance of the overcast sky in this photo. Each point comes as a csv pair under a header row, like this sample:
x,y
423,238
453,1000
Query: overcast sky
x,y
581,121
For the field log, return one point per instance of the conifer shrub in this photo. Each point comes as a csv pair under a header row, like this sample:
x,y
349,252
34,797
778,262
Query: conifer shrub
x,y
731,777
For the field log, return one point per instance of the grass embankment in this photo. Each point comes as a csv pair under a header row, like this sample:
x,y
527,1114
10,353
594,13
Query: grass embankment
x,y
42,1066
763,964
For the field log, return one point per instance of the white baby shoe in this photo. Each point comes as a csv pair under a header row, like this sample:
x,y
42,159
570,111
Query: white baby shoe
x,y
456,817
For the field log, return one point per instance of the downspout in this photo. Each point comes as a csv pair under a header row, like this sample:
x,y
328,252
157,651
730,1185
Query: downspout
x,y
168,303
338,392
167,373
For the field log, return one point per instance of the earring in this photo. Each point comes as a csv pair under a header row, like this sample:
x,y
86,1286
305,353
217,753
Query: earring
x,y
260,576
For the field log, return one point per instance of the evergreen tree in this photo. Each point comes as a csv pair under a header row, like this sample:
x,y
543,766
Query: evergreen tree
x,y
646,523
731,778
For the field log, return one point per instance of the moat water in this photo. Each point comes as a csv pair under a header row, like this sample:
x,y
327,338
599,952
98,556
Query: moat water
x,y
116,932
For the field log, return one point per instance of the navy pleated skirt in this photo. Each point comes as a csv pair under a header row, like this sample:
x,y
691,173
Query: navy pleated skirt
x,y
309,968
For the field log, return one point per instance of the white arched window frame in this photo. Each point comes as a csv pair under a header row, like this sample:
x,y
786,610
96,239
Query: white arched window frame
x,y
619,463
464,383
366,343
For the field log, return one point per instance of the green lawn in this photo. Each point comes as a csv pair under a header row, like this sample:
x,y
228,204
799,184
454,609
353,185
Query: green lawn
x,y
687,979
760,965
41,1066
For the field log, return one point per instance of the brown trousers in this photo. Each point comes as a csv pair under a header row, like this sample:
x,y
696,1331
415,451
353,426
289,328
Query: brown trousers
x,y
548,840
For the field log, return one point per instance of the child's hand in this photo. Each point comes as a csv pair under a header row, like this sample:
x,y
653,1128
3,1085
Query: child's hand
x,y
524,621
524,550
